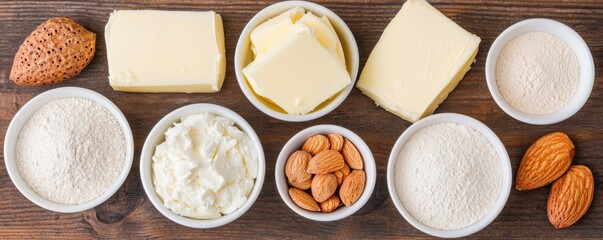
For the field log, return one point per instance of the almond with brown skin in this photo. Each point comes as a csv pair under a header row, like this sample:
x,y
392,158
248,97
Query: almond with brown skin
x,y
341,174
352,187
305,185
351,155
303,200
544,161
323,187
316,144
330,204
57,50
297,166
336,141
327,161
570,197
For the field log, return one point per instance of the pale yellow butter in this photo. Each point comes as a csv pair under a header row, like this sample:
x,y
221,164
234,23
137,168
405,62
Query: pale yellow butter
x,y
165,51
420,58
298,72
299,61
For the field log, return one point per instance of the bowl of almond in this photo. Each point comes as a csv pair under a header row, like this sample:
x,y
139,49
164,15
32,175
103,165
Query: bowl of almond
x,y
325,173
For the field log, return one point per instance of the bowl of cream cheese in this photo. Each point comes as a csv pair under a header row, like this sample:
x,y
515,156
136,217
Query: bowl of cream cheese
x,y
296,61
202,166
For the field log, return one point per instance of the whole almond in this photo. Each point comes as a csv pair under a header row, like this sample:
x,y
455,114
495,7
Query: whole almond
x,y
305,185
352,187
544,161
327,161
316,144
303,200
336,141
330,204
297,166
351,155
570,197
57,50
323,187
341,174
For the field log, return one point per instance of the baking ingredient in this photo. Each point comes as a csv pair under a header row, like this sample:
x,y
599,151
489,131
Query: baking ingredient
x,y
304,185
206,167
336,141
303,200
323,187
330,204
352,187
316,144
570,197
546,159
330,183
420,58
537,73
71,151
448,176
296,166
57,50
351,155
324,162
165,51
297,63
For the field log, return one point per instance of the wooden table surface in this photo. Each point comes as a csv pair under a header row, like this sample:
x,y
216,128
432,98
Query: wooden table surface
x,y
129,213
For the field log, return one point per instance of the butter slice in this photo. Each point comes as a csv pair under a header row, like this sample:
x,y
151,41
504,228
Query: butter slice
x,y
298,72
165,51
420,58
267,34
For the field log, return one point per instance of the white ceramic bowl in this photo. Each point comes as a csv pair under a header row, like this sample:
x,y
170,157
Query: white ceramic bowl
x,y
156,137
577,44
19,121
492,138
296,142
244,56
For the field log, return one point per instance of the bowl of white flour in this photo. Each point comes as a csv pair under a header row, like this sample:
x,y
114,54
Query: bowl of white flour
x,y
68,149
449,175
540,71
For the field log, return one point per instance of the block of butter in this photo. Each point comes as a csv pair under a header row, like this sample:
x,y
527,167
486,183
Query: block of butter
x,y
299,61
165,51
420,58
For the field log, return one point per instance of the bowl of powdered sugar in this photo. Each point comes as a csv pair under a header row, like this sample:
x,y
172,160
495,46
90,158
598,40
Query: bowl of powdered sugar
x,y
68,149
449,175
540,71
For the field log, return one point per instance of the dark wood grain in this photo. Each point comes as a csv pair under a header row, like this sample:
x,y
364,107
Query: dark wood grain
x,y
129,213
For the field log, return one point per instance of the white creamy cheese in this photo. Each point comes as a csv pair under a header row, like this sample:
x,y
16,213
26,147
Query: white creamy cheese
x,y
206,167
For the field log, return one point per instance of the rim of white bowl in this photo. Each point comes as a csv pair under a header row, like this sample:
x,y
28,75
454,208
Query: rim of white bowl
x,y
344,33
156,136
21,118
296,142
507,177
580,49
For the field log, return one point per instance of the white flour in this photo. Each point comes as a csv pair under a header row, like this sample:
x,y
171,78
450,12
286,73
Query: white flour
x,y
537,73
448,176
71,150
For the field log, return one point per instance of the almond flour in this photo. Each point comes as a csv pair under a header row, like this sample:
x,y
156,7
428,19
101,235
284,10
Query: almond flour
x,y
71,150
537,73
448,176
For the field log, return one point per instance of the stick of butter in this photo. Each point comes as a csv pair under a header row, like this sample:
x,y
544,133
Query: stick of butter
x,y
165,51
420,58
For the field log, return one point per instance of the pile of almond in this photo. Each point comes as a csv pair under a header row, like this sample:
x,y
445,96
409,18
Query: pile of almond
x,y
549,160
325,173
